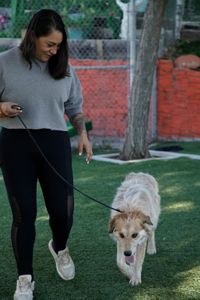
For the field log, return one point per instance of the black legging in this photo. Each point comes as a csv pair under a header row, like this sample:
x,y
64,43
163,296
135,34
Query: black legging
x,y
22,165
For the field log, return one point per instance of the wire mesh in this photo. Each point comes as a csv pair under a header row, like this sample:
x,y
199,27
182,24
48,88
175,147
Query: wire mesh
x,y
99,47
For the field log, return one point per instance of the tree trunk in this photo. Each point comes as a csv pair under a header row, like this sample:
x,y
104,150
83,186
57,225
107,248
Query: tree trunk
x,y
135,145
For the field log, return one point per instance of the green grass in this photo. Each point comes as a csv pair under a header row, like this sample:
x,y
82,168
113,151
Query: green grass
x,y
172,274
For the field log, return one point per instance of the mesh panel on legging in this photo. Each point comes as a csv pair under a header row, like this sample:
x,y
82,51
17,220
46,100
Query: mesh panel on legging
x,y
23,237
61,225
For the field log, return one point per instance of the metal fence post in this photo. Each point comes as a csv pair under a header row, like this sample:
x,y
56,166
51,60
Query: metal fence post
x,y
132,38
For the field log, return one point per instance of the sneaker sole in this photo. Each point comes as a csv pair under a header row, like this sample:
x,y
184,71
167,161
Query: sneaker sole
x,y
25,295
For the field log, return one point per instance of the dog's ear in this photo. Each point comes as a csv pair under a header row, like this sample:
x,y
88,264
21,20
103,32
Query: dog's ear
x,y
111,225
147,220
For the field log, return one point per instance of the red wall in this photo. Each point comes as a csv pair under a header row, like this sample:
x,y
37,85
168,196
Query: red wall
x,y
106,99
178,102
105,96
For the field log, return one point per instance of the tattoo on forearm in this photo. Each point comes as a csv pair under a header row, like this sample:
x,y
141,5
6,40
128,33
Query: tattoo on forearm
x,y
78,122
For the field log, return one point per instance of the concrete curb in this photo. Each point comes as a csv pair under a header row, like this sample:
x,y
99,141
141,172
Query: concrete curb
x,y
161,155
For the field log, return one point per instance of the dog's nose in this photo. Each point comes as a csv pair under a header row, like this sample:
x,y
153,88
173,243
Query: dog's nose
x,y
128,253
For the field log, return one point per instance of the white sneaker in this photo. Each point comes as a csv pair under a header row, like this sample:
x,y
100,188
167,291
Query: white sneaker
x,y
24,289
64,263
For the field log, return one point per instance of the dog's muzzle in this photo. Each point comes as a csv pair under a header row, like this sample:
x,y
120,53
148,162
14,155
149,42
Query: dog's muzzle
x,y
129,257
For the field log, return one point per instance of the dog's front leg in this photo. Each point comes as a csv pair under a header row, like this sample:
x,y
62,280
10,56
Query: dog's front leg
x,y
151,244
124,268
137,268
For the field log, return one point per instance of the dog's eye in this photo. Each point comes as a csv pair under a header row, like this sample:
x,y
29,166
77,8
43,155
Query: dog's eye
x,y
134,235
121,235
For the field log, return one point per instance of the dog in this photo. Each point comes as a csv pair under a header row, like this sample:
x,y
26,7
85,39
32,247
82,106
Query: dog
x,y
133,228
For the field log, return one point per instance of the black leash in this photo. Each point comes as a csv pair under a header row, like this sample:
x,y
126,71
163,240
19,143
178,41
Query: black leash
x,y
57,173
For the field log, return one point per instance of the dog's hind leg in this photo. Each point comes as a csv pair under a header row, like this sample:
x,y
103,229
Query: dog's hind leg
x,y
137,270
151,244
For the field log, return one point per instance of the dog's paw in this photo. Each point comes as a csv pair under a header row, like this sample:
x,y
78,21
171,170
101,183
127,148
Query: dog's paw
x,y
151,251
135,280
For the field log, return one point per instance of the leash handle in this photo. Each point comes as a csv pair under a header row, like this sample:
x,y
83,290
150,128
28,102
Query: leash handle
x,y
58,174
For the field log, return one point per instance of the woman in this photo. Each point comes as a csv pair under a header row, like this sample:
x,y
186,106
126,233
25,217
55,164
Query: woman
x,y
37,83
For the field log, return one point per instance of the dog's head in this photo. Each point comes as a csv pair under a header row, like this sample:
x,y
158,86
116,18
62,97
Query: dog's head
x,y
129,229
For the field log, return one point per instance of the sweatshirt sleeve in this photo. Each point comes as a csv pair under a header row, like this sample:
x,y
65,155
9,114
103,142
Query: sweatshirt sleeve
x,y
73,105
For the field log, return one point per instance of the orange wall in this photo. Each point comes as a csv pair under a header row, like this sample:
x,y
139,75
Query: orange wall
x,y
178,102
105,95
106,99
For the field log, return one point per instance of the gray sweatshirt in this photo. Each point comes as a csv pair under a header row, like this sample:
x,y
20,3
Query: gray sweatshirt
x,y
43,98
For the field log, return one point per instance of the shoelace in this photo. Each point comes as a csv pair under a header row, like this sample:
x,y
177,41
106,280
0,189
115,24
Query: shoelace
x,y
25,285
64,257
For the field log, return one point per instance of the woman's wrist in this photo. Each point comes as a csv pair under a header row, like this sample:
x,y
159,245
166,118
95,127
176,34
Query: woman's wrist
x,y
79,123
2,115
83,130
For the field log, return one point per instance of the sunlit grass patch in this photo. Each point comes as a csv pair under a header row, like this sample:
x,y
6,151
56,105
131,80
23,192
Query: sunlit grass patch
x,y
179,206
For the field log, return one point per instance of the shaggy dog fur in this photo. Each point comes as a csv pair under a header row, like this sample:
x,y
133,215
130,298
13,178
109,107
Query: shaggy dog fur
x,y
134,228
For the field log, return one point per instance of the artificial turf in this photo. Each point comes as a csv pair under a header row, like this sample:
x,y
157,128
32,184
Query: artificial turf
x,y
172,274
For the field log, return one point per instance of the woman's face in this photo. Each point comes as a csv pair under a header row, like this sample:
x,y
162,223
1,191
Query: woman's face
x,y
47,46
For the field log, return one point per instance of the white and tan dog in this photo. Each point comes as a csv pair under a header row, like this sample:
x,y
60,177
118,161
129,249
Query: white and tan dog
x,y
134,227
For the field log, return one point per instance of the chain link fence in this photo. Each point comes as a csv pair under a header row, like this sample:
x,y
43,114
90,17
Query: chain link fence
x,y
99,47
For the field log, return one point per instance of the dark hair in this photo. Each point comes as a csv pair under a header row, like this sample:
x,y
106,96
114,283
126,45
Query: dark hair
x,y
42,24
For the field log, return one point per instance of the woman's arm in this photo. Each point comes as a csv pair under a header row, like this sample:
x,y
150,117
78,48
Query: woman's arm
x,y
79,123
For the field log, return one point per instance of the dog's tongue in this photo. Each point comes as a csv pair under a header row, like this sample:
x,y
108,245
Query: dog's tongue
x,y
129,259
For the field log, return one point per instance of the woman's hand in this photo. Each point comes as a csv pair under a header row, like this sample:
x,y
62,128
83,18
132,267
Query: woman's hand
x,y
84,143
79,123
10,109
